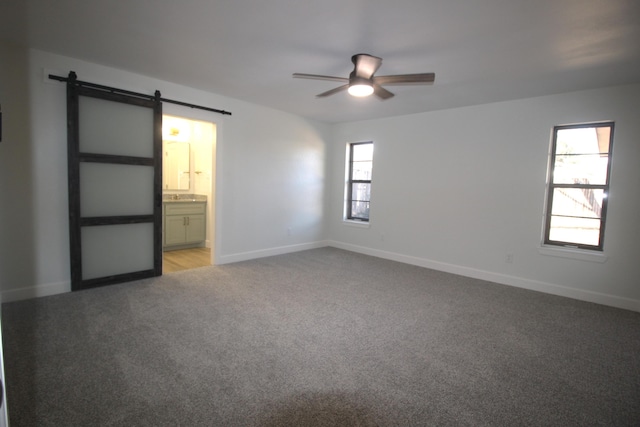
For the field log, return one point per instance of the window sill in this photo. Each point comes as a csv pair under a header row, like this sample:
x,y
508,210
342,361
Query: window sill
x,y
356,223
578,254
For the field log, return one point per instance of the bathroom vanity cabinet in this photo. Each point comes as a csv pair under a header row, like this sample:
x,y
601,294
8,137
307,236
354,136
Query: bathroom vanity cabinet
x,y
184,223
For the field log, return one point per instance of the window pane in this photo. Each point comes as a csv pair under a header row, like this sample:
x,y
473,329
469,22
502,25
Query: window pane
x,y
581,169
359,163
588,140
362,152
575,230
362,170
361,192
581,163
360,210
581,202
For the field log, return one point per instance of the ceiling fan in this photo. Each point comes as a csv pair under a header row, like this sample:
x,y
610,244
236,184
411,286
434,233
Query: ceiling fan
x,y
362,82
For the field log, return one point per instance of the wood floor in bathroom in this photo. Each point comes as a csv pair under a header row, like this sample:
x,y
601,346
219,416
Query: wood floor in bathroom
x,y
185,259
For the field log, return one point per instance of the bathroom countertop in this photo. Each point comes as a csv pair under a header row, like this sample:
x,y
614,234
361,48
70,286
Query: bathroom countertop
x,y
183,198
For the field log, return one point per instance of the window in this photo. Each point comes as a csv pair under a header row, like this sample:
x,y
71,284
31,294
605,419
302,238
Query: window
x,y
579,185
359,167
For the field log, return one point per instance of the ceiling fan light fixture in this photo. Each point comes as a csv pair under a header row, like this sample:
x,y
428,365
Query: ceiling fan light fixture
x,y
360,90
359,87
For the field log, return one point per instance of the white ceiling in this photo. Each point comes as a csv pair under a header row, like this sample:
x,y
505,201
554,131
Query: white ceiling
x,y
481,50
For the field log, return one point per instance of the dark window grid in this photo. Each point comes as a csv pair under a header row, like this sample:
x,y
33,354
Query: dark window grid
x,y
584,187
589,197
600,217
598,247
548,241
577,217
350,199
355,216
599,154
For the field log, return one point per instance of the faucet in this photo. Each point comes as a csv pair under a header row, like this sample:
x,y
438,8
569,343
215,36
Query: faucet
x,y
175,197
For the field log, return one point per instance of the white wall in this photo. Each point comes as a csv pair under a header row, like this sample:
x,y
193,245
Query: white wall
x,y
270,172
273,177
456,190
460,189
17,248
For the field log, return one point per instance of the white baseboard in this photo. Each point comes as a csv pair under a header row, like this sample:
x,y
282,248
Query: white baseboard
x,y
48,289
504,279
245,256
44,290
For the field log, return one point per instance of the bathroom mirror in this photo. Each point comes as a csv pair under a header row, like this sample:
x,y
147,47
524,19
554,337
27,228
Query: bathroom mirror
x,y
175,168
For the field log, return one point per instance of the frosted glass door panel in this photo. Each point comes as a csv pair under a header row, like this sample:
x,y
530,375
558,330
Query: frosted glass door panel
x,y
108,127
104,252
111,190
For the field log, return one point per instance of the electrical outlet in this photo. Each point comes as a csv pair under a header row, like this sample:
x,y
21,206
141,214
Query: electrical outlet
x,y
509,259
289,231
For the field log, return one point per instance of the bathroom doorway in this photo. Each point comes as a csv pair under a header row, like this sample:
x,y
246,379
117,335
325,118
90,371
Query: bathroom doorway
x,y
185,259
188,193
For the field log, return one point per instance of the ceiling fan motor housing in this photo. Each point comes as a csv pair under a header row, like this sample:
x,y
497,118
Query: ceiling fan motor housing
x,y
356,80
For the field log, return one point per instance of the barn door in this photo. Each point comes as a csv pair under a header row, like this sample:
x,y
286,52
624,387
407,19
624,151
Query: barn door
x,y
115,185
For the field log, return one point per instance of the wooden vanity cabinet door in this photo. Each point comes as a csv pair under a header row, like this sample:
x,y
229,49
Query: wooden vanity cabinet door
x,y
195,229
174,233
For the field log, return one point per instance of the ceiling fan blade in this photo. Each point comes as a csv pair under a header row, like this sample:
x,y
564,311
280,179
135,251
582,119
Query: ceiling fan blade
x,y
381,92
320,77
366,65
333,91
421,78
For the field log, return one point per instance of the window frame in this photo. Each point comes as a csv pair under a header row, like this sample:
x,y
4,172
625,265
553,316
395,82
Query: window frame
x,y
350,181
552,186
